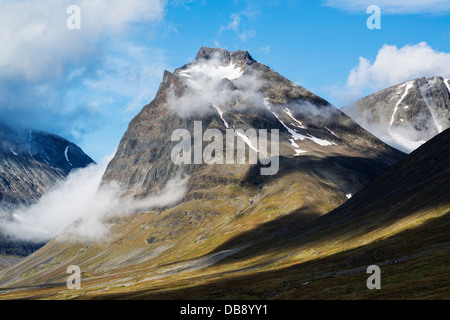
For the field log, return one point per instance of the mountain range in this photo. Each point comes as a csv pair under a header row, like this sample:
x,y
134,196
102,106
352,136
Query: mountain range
x,y
340,200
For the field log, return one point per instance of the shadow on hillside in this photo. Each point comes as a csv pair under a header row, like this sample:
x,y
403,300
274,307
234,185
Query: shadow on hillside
x,y
393,196
327,275
340,170
367,168
271,233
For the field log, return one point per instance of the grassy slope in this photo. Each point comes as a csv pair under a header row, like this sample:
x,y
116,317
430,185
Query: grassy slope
x,y
200,231
400,222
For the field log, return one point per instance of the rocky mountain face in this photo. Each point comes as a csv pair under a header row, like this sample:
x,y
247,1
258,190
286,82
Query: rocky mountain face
x,y
416,186
230,90
405,115
324,158
31,163
399,222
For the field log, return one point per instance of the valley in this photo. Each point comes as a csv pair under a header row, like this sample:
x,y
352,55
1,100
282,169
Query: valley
x,y
341,200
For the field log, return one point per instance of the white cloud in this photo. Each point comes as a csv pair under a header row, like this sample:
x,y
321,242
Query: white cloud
x,y
50,76
75,210
265,49
72,199
35,39
240,24
393,6
206,87
392,66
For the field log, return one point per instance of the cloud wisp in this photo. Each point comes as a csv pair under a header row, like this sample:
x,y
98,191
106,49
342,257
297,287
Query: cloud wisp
x,y
76,209
241,24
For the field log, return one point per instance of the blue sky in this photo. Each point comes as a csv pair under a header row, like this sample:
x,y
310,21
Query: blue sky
x,y
88,84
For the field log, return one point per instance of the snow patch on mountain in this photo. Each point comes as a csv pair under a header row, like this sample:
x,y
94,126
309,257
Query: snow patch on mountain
x,y
230,72
295,135
298,152
447,84
31,155
423,91
299,124
408,86
66,151
334,134
246,140
238,133
295,145
221,115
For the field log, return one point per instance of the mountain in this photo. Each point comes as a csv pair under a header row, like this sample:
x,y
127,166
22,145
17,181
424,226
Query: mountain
x,y
323,158
405,115
231,90
399,222
31,163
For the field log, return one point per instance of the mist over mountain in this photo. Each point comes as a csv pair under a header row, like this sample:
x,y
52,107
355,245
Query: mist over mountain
x,y
32,163
405,115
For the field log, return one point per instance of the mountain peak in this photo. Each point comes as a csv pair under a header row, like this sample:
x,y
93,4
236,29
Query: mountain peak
x,y
227,90
405,115
224,56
